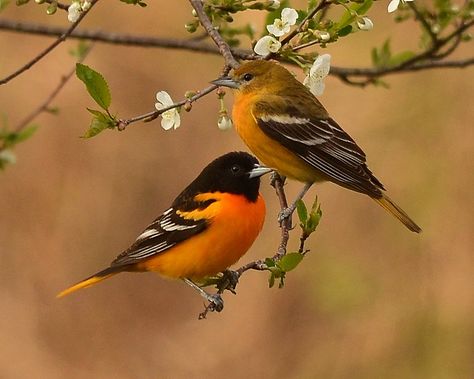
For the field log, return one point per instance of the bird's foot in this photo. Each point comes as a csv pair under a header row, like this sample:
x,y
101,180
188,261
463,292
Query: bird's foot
x,y
285,216
216,304
229,281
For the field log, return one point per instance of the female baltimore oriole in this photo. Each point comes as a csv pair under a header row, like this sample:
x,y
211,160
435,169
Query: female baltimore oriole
x,y
289,130
209,226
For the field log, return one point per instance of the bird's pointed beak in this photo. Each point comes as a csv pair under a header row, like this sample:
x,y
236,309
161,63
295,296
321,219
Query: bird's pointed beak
x,y
225,81
258,171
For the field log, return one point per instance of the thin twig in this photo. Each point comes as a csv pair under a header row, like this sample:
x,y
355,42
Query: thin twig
x,y
50,48
123,123
309,16
224,48
43,107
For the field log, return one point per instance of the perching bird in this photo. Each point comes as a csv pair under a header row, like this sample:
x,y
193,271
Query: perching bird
x,y
209,226
289,130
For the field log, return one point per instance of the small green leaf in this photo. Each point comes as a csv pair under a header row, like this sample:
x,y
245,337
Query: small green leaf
x,y
12,138
400,58
269,262
302,211
290,261
344,31
95,84
99,123
3,4
271,280
349,16
80,51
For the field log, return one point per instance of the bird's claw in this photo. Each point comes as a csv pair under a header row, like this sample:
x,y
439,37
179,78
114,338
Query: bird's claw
x,y
229,281
216,304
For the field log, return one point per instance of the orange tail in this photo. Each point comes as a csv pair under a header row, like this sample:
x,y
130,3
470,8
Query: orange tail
x,y
96,278
398,212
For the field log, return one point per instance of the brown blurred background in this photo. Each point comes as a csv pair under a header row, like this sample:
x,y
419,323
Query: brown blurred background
x,y
371,300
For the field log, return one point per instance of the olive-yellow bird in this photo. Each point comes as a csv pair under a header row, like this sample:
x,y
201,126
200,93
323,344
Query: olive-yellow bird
x,y
209,226
289,130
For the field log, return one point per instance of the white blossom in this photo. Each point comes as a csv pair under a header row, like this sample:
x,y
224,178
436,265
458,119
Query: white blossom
x,y
224,123
323,35
86,5
365,23
74,11
319,70
170,118
283,25
76,8
267,45
393,5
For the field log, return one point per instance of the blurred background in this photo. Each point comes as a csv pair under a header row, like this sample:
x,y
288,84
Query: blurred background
x,y
371,300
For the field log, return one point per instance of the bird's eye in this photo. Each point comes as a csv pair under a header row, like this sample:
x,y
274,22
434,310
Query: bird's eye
x,y
247,77
235,169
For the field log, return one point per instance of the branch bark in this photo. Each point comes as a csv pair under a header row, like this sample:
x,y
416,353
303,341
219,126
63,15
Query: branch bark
x,y
50,48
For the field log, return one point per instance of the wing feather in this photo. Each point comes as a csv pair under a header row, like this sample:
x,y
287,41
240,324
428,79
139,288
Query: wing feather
x,y
162,234
324,145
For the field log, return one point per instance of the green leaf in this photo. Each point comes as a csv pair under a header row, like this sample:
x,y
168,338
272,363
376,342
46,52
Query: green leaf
x,y
344,31
271,280
99,123
349,16
12,138
3,4
269,262
302,211
80,51
290,261
400,58
95,84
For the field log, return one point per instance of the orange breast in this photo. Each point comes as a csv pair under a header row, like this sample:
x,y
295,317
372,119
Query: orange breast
x,y
272,153
234,225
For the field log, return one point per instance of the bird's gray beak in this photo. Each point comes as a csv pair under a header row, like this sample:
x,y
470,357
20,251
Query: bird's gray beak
x,y
225,81
258,171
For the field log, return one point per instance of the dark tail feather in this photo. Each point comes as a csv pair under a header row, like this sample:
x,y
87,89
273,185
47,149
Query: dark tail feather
x,y
398,212
96,278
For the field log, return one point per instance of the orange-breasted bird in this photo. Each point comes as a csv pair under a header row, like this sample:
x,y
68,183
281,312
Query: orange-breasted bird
x,y
289,130
209,226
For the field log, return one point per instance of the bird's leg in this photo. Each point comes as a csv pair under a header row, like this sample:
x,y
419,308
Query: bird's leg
x,y
215,300
287,212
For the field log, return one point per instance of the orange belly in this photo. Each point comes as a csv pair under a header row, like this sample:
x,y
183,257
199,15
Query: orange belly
x,y
235,224
269,151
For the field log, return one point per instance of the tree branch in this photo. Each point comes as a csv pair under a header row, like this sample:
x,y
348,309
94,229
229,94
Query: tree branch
x,y
50,48
224,48
344,73
43,107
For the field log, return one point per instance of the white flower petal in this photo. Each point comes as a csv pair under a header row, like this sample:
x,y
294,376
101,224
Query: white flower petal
x,y
224,123
86,5
74,11
275,30
393,5
164,100
177,119
167,123
289,16
365,23
267,45
321,66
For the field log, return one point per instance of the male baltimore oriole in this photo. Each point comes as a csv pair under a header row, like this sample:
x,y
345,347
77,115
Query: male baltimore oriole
x,y
209,226
289,130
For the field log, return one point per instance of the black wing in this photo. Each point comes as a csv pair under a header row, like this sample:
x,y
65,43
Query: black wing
x,y
165,232
325,146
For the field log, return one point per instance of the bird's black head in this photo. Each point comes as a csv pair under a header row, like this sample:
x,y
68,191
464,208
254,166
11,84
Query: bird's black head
x,y
237,173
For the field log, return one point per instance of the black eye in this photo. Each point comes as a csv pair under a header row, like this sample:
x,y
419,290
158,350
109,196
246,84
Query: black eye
x,y
235,169
247,77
